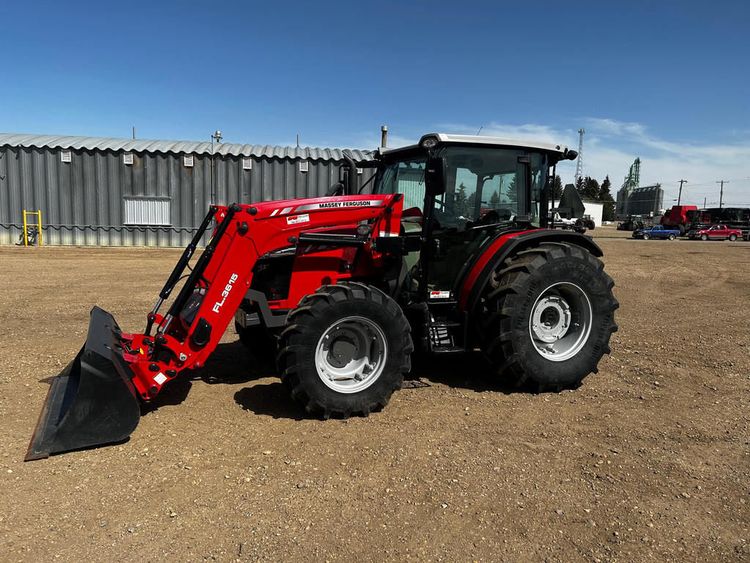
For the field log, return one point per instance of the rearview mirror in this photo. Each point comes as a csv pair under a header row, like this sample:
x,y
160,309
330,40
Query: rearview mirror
x,y
434,175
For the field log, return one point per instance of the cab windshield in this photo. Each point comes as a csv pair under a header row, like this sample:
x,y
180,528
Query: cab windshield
x,y
485,184
489,185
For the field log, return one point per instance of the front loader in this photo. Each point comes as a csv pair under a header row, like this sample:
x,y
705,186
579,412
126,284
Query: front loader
x,y
446,252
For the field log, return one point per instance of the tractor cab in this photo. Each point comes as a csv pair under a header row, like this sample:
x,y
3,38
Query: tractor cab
x,y
460,192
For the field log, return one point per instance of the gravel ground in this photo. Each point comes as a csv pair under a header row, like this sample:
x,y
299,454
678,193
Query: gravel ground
x,y
648,460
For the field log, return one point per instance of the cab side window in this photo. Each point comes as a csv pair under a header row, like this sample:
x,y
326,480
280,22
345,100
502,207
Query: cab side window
x,y
406,178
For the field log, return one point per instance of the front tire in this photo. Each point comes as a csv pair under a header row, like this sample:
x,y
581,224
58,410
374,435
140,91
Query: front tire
x,y
345,350
548,317
646,237
672,237
704,237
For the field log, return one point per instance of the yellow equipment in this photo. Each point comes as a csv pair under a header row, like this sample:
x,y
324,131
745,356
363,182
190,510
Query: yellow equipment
x,y
26,215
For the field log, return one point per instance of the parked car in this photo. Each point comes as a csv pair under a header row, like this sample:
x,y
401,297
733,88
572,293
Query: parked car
x,y
657,231
716,232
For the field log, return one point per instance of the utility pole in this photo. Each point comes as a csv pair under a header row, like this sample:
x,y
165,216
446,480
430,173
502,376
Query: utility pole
x,y
704,203
721,193
216,136
579,162
679,195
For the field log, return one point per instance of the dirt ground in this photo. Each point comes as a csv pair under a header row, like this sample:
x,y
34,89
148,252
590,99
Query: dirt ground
x,y
648,460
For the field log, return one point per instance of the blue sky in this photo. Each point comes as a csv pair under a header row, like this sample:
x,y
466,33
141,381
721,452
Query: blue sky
x,y
667,81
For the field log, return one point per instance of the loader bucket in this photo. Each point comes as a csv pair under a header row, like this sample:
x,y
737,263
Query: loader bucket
x,y
92,401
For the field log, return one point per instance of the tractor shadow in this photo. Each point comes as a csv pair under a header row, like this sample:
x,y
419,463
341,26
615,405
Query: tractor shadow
x,y
230,364
270,399
470,372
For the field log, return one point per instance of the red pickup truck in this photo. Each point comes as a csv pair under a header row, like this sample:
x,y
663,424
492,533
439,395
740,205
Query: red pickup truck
x,y
716,232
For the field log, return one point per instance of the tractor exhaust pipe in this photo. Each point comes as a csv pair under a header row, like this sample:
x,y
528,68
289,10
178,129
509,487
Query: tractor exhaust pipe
x,y
351,188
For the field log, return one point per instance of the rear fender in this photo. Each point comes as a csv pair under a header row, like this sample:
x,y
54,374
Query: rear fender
x,y
505,246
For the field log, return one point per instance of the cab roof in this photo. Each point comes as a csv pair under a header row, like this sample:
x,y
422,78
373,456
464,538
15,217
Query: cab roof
x,y
449,138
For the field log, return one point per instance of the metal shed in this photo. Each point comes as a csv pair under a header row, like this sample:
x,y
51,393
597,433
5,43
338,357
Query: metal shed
x,y
122,192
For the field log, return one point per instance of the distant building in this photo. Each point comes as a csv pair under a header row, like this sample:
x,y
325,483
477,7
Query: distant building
x,y
645,200
595,210
136,192
632,199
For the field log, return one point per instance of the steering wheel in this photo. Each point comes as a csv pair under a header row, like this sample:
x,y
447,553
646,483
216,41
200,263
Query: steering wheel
x,y
489,218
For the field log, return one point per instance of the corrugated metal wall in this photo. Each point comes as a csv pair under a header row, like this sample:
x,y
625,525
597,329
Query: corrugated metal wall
x,y
83,201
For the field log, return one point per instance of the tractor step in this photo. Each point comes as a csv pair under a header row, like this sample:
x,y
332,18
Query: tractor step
x,y
449,350
450,303
444,324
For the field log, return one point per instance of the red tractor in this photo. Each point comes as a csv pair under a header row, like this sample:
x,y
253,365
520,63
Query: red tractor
x,y
448,254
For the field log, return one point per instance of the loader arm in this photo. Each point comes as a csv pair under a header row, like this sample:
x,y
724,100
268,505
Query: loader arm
x,y
95,399
206,304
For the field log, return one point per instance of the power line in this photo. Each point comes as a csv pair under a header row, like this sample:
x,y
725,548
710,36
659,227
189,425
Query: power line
x,y
709,183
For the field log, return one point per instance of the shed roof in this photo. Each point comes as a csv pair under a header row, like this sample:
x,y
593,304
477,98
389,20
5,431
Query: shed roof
x,y
175,147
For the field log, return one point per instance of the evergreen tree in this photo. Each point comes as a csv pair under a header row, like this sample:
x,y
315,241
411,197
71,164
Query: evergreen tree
x,y
589,189
470,203
579,186
510,192
495,201
605,196
459,203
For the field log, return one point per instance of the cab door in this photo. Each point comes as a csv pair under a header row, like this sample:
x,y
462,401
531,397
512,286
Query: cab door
x,y
485,188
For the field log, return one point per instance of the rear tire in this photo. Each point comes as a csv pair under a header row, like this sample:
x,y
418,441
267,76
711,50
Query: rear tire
x,y
345,350
672,237
548,317
732,238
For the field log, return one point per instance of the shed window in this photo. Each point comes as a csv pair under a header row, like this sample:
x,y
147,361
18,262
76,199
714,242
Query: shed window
x,y
187,161
147,211
127,158
303,166
247,163
66,156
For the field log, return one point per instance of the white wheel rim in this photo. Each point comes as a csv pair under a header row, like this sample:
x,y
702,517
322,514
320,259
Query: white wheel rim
x,y
560,321
351,354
